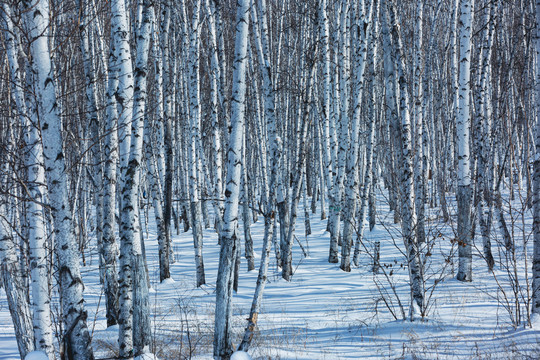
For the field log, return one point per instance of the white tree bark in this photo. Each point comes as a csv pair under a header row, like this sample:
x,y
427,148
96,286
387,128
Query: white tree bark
x,y
463,124
326,109
215,96
481,136
13,278
41,319
17,297
168,90
536,205
419,170
130,199
76,336
262,45
344,84
286,256
194,144
416,278
363,26
223,314
124,96
109,248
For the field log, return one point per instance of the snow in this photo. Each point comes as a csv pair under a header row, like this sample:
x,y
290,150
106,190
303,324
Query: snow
x,y
147,356
166,283
325,313
240,355
36,355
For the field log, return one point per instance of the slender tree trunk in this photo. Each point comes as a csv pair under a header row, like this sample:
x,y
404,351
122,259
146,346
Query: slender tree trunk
x,y
482,140
167,111
463,124
195,114
223,314
109,248
286,254
153,177
536,202
363,25
216,94
419,170
246,215
407,185
13,278
128,223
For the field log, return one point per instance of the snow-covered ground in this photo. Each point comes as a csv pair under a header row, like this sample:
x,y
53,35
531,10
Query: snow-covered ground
x,y
325,313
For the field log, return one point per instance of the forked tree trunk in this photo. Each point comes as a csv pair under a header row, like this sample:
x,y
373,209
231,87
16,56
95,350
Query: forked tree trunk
x,y
416,278
34,162
76,337
363,26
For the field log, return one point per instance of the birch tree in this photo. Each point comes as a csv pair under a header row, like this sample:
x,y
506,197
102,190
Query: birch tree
x,y
195,141
463,124
536,205
481,139
261,36
416,278
363,25
109,247
76,336
130,198
34,161
215,96
419,170
223,314
11,270
124,96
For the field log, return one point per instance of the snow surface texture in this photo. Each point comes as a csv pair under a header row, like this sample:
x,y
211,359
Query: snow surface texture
x,y
147,356
325,313
36,355
240,355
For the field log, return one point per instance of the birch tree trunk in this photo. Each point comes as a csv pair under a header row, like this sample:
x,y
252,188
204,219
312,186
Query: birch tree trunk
x,y
167,110
363,25
419,170
536,202
195,115
263,51
222,332
17,297
326,108
344,84
246,216
128,223
130,232
92,117
13,278
34,162
76,337
109,248
157,148
215,96
463,124
481,138
416,278
286,255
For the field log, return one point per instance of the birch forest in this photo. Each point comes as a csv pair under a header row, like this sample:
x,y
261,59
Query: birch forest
x,y
258,179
